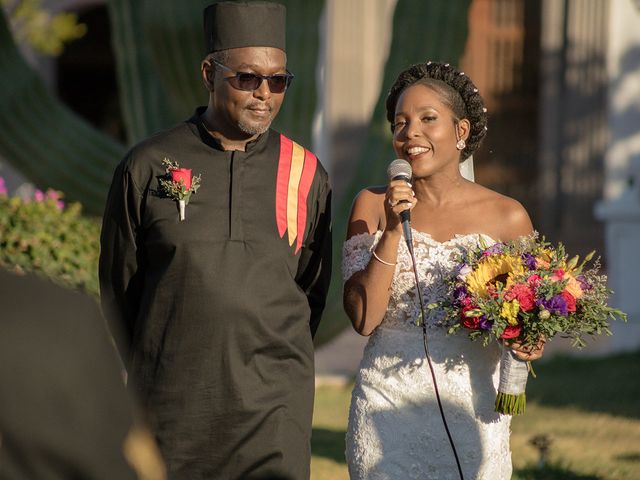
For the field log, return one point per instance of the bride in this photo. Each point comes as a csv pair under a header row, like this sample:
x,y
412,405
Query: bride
x,y
395,426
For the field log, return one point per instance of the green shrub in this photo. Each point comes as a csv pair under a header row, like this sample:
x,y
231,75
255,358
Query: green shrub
x,y
44,236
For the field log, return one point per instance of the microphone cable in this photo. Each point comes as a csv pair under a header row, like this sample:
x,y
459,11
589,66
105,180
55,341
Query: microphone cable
x,y
426,352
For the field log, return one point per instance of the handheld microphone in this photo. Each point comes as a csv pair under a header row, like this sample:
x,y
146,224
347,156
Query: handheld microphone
x,y
400,169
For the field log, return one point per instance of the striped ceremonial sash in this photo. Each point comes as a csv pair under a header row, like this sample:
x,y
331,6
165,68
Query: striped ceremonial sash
x,y
296,168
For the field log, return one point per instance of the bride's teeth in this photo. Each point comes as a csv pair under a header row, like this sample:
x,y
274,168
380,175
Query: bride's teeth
x,y
417,150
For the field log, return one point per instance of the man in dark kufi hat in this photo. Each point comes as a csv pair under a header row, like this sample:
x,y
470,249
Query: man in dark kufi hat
x,y
216,294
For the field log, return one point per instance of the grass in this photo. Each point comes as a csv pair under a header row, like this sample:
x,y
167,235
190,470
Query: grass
x,y
588,408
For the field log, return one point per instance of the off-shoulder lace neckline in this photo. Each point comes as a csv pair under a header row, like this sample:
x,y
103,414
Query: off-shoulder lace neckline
x,y
428,236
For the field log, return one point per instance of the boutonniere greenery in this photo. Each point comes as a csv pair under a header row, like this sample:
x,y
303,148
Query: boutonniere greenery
x,y
179,184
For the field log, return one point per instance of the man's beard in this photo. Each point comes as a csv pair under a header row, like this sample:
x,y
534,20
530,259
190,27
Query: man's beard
x,y
253,129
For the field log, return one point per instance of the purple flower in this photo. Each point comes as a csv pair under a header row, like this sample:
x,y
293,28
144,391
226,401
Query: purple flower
x,y
460,294
485,323
494,249
464,270
529,261
584,283
3,187
556,304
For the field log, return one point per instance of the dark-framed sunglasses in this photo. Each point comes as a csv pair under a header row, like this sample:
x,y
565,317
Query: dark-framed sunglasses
x,y
248,82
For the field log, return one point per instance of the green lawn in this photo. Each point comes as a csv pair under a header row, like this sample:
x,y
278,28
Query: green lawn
x,y
588,408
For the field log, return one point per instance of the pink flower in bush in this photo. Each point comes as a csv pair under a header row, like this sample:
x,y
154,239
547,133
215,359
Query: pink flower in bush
x,y
55,196
3,187
38,196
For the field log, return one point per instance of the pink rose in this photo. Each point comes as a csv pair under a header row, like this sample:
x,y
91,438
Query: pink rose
x,y
183,174
512,331
534,280
524,294
557,275
466,302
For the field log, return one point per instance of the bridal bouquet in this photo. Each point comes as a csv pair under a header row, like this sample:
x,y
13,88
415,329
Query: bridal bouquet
x,y
524,291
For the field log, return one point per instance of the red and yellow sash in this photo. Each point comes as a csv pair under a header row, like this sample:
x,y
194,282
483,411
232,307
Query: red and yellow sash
x,y
296,169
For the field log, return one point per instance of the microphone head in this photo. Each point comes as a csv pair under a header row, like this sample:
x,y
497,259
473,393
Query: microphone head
x,y
399,169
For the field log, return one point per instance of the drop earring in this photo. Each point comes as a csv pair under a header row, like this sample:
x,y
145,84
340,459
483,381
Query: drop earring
x,y
461,144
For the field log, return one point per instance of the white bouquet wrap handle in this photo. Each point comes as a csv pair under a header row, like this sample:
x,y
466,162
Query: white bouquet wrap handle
x,y
511,398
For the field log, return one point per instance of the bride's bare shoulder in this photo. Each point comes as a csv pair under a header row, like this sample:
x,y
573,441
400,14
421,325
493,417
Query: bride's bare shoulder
x,y
507,216
367,211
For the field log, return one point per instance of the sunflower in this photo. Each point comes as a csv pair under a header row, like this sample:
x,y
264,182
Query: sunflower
x,y
492,269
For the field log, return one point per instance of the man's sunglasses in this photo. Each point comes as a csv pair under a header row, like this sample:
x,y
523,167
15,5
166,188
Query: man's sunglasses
x,y
249,82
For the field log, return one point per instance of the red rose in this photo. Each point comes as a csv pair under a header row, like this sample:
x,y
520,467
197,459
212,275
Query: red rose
x,y
524,294
472,323
570,300
183,174
512,331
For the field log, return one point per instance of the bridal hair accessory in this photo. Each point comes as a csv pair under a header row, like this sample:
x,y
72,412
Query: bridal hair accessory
x,y
525,291
179,184
461,144
382,261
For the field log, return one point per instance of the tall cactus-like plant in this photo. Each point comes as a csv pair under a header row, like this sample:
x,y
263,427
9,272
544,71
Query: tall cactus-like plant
x,y
173,33
143,98
296,116
433,30
158,46
47,142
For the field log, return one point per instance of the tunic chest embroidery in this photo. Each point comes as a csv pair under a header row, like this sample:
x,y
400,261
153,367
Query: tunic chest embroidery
x,y
296,169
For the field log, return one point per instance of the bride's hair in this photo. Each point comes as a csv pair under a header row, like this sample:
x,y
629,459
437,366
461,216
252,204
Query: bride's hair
x,y
458,93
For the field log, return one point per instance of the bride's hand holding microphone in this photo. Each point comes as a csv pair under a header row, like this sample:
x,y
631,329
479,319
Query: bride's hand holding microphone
x,y
399,198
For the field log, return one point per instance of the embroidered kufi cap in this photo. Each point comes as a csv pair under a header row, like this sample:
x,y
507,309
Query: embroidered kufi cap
x,y
244,24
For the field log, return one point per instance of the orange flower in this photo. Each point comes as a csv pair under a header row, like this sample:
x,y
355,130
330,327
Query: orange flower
x,y
573,286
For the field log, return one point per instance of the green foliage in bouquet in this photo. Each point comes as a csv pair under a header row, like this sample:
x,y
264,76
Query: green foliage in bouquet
x,y
46,237
525,291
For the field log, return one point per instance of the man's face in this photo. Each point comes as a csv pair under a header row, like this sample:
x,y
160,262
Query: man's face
x,y
240,113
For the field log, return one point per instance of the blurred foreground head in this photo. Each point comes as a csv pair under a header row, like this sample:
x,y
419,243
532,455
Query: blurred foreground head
x,y
64,410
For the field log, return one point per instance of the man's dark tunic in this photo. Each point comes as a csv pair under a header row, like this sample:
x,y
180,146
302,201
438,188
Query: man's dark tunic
x,y
215,314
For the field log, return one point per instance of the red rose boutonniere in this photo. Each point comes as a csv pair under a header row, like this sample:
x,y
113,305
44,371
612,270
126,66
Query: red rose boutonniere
x,y
179,184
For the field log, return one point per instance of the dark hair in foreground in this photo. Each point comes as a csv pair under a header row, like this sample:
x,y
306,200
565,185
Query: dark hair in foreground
x,y
457,91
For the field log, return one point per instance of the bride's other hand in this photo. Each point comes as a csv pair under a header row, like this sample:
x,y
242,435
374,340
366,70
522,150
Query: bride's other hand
x,y
399,197
528,353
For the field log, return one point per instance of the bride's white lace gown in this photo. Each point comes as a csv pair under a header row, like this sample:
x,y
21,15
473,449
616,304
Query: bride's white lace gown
x,y
395,429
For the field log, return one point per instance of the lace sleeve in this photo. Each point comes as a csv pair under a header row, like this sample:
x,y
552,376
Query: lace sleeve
x,y
356,253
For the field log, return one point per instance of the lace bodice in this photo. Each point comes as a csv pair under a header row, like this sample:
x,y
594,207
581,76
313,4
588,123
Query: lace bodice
x,y
395,429
434,260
